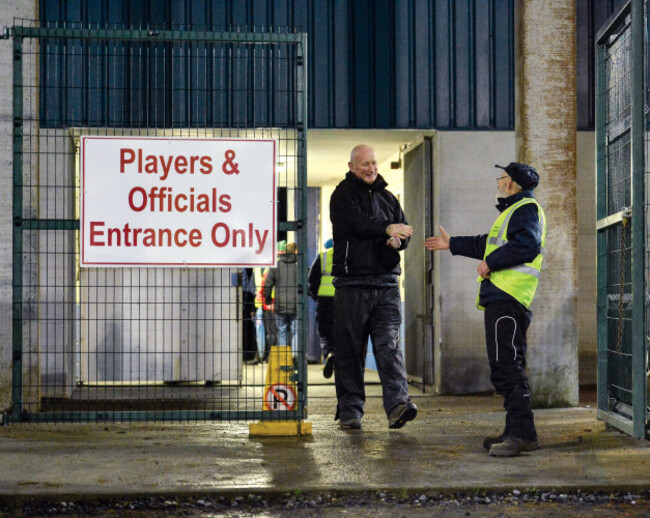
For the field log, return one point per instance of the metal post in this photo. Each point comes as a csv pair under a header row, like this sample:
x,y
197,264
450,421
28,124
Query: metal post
x,y
17,276
601,212
638,221
301,127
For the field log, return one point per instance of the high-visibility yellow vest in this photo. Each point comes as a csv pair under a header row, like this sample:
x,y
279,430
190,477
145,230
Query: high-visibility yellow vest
x,y
258,287
519,281
326,288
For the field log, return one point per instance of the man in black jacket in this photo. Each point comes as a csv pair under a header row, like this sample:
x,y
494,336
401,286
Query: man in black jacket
x,y
369,230
511,259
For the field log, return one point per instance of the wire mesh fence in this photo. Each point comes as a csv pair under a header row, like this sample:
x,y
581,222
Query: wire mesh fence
x,y
622,231
149,342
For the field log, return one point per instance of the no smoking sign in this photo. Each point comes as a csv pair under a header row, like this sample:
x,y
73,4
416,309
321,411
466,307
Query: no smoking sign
x,y
280,397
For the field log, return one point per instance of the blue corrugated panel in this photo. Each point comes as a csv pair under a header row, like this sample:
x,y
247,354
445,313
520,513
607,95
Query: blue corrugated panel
x,y
590,16
446,64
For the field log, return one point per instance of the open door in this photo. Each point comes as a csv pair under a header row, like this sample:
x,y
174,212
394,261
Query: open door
x,y
417,163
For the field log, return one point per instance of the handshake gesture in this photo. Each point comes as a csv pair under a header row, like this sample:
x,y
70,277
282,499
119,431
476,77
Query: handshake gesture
x,y
440,242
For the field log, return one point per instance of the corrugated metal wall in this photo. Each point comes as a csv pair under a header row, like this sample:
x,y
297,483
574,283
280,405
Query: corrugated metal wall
x,y
445,64
590,16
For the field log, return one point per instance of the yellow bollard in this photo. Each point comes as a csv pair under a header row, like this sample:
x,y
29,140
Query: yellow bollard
x,y
280,394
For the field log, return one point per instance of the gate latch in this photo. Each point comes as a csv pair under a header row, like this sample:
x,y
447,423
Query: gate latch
x,y
626,216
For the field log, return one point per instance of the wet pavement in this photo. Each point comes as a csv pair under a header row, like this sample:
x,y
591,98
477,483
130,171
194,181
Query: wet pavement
x,y
440,453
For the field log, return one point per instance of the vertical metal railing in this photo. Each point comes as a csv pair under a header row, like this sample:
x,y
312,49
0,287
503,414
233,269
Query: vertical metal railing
x,y
211,85
622,220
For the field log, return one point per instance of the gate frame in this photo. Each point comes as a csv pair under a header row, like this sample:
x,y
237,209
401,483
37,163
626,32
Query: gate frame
x,y
20,224
636,425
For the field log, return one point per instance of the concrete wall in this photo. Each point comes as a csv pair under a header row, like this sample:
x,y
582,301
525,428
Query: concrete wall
x,y
546,117
10,9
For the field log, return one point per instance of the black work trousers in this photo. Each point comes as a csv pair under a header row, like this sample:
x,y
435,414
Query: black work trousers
x,y
506,323
359,313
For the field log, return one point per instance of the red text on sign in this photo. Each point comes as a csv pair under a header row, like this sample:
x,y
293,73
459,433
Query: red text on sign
x,y
163,199
135,159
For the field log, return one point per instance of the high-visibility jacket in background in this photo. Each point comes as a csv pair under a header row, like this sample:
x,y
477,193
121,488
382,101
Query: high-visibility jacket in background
x,y
326,287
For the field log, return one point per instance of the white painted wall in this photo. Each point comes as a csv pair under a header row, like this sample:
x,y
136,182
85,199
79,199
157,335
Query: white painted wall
x,y
464,180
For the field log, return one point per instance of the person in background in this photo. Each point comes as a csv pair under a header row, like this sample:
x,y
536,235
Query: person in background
x,y
248,307
269,318
511,260
260,331
284,278
321,290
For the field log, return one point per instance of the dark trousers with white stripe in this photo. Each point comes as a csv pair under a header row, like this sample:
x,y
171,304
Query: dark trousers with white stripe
x,y
506,323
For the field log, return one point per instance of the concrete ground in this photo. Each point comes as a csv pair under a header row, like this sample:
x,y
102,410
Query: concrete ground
x,y
440,451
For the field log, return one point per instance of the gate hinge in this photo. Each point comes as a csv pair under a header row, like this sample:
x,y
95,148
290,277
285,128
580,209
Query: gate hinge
x,y
300,61
18,122
18,221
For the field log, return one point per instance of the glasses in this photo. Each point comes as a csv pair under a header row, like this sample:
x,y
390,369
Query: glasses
x,y
502,178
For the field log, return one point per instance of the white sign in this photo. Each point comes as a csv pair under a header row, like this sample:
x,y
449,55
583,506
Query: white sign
x,y
148,201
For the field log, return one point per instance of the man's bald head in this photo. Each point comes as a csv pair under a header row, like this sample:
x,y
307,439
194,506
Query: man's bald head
x,y
363,163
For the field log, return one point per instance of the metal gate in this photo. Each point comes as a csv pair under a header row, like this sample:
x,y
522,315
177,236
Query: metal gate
x,y
623,221
144,343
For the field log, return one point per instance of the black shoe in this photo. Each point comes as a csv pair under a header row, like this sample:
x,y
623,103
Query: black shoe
x,y
513,446
350,424
488,442
328,366
401,414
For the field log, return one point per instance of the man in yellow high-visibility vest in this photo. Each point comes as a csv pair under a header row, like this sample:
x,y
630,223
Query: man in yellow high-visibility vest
x,y
511,260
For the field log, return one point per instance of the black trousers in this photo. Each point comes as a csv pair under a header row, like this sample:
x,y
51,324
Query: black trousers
x,y
506,323
249,337
361,313
325,318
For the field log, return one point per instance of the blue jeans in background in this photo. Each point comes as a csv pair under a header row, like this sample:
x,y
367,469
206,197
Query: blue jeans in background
x,y
287,331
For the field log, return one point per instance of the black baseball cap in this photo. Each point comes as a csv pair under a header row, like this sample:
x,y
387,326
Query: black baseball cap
x,y
523,174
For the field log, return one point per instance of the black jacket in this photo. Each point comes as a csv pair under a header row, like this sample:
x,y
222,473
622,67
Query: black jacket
x,y
360,214
524,243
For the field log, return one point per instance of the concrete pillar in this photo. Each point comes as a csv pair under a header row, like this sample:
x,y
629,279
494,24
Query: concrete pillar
x,y
546,138
10,9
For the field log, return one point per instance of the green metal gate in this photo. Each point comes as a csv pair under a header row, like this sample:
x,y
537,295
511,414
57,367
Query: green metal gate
x,y
622,221
143,343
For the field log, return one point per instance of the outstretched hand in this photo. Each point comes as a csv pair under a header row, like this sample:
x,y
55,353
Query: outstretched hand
x,y
440,242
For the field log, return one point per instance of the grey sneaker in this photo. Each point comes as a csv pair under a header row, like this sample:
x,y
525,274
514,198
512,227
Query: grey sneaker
x,y
328,367
488,442
350,424
401,414
513,446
